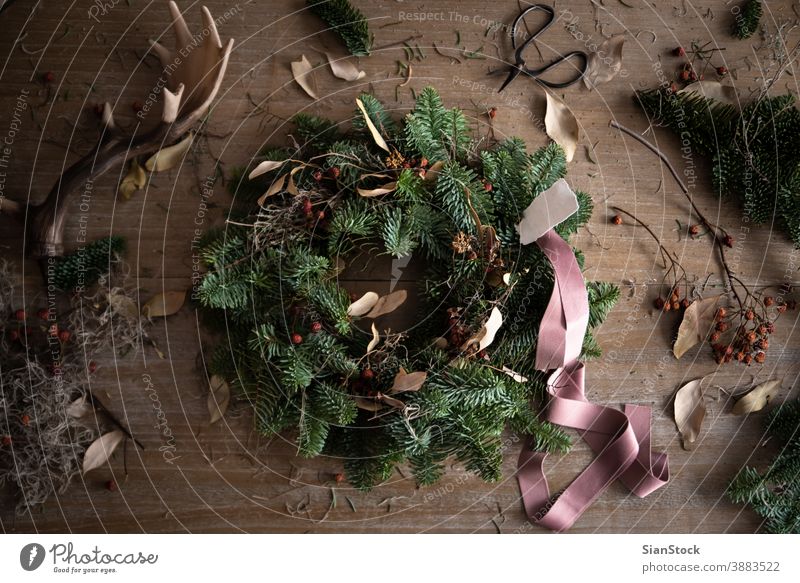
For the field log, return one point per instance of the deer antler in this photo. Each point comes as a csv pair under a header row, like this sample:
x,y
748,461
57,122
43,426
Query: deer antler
x,y
194,74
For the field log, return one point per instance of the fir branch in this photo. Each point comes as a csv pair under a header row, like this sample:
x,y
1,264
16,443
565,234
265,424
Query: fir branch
x,y
346,21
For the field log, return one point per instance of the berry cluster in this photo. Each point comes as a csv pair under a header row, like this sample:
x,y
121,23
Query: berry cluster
x,y
697,62
673,302
744,335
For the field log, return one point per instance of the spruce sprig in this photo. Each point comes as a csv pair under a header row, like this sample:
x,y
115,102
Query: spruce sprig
x,y
347,21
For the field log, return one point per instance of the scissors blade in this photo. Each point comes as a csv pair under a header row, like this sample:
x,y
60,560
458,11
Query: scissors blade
x,y
512,74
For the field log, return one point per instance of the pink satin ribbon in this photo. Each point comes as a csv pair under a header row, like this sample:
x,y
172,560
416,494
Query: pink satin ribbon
x,y
620,439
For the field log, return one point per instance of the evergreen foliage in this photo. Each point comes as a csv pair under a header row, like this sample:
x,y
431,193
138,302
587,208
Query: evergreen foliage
x,y
755,153
747,19
775,492
295,352
85,266
347,21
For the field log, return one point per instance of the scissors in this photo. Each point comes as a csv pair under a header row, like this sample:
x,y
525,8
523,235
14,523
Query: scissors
x,y
520,68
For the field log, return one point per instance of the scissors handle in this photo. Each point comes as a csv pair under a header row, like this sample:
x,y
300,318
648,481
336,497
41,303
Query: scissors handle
x,y
551,15
537,73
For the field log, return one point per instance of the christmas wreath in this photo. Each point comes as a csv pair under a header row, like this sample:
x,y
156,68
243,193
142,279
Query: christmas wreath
x,y
309,355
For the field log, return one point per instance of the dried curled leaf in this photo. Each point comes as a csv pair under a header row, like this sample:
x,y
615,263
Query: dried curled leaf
x,y
561,125
277,185
164,304
757,398
696,323
605,63
376,135
433,172
79,408
167,158
388,303
485,336
376,338
344,69
404,381
219,397
301,71
515,375
264,167
134,180
690,410
101,449
714,90
363,304
381,190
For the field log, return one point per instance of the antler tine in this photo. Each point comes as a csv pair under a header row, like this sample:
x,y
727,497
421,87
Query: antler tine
x,y
172,104
182,35
108,117
208,22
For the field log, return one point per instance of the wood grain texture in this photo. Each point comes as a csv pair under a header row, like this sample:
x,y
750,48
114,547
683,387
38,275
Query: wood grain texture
x,y
227,479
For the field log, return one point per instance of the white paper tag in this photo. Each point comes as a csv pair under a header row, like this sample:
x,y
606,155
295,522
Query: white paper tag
x,y
549,209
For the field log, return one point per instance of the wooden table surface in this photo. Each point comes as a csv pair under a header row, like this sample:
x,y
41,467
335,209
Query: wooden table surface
x,y
227,479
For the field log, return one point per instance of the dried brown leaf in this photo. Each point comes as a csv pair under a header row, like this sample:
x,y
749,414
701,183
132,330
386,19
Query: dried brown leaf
x,y
485,336
101,449
363,304
388,303
696,323
561,125
376,338
433,172
690,409
605,63
385,189
714,90
757,398
404,381
376,135
219,397
79,408
344,69
266,166
134,180
167,158
301,71
164,304
274,188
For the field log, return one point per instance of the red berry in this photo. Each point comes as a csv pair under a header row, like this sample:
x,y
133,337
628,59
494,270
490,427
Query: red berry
x,y
493,113
727,240
42,314
7,440
616,219
20,315
49,77
749,315
25,419
667,306
781,308
721,313
679,52
722,326
763,344
748,359
685,75
722,71
488,187
367,374
92,366
111,485
693,76
137,106
64,336
317,175
676,306
714,336
339,478
334,172
760,357
685,303
296,338
316,326
423,163
694,230
750,336
308,208
768,301
13,335
673,87
770,328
